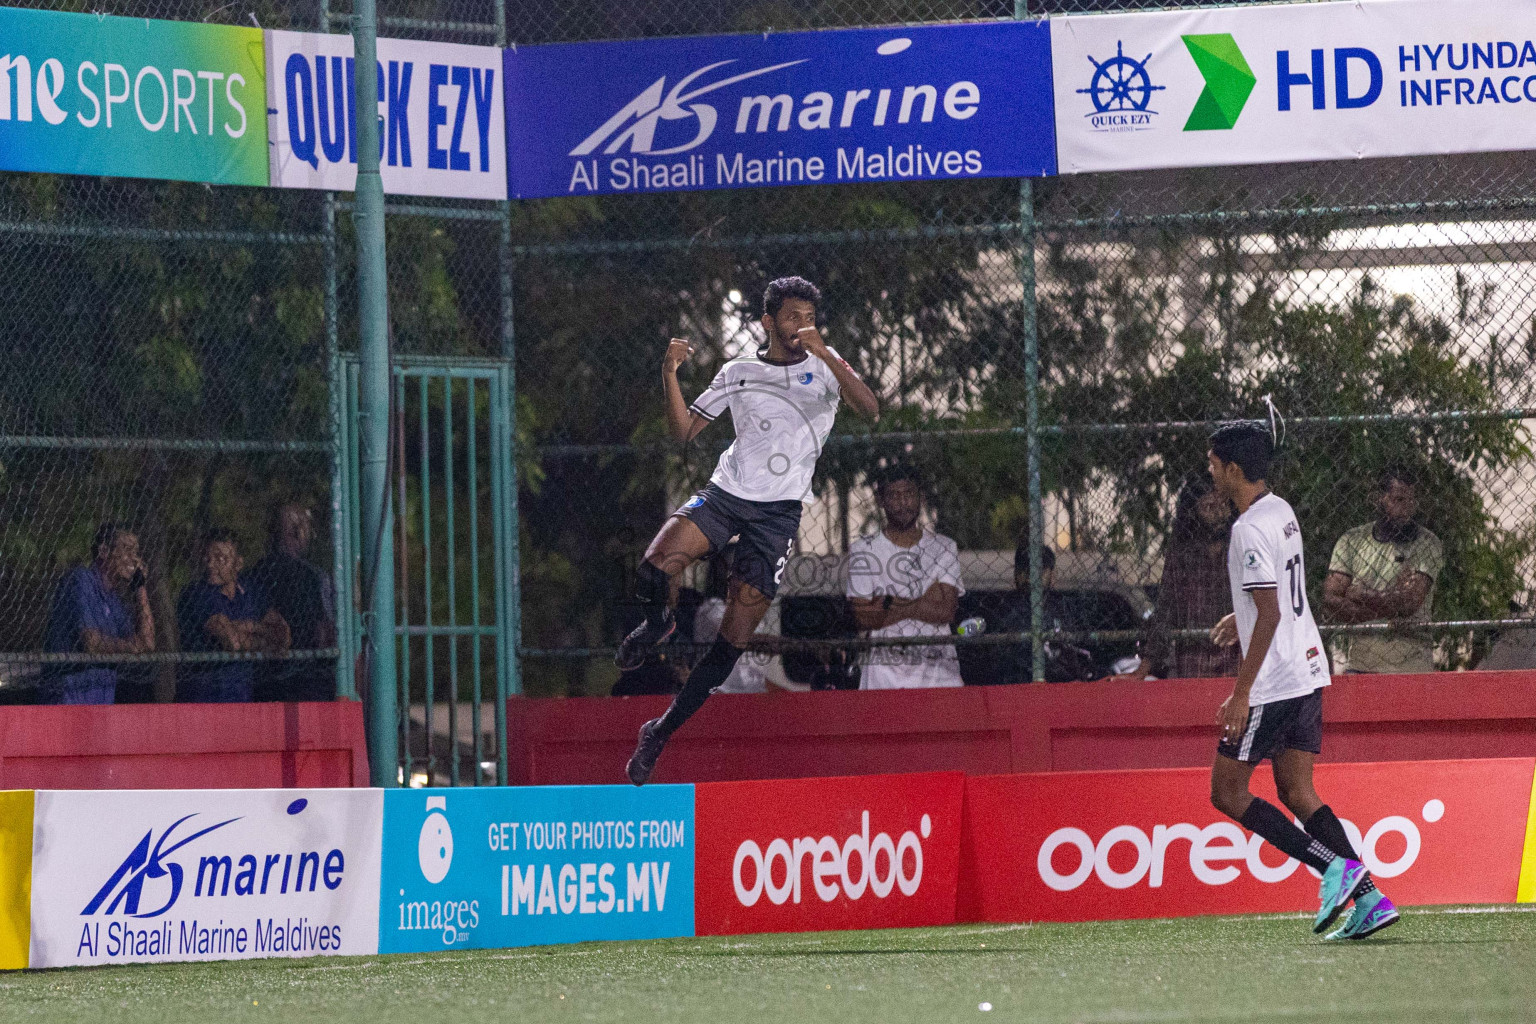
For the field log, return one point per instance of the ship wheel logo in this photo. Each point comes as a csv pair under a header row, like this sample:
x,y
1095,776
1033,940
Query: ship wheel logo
x,y
1121,83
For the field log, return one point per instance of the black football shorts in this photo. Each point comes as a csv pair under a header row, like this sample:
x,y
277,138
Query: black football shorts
x,y
767,531
1292,724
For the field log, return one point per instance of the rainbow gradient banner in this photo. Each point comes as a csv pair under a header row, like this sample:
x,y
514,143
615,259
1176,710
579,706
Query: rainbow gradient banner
x,y
132,98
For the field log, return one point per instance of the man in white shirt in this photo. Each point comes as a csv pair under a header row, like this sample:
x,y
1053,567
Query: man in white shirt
x,y
782,401
905,582
1276,707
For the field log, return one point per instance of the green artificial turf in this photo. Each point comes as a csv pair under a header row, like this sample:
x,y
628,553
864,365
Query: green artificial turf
x,y
1471,964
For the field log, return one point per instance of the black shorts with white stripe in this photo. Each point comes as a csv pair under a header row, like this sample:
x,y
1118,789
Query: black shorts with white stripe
x,y
1292,724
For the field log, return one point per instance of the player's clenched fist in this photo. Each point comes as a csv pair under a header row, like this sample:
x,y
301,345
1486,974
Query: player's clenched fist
x,y
812,341
678,351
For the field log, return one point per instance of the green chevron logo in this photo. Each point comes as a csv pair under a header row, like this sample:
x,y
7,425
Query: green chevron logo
x,y
1228,82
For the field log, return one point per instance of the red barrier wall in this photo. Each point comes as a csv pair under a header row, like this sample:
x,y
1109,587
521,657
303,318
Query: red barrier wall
x,y
183,746
862,852
1002,729
1085,846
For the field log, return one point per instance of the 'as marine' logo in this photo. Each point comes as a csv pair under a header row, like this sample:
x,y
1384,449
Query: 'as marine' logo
x,y
634,126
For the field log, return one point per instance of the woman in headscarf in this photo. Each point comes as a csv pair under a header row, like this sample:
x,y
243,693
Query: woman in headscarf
x,y
1194,592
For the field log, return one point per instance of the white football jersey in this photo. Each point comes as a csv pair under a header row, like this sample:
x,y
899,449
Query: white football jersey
x,y
782,415
1265,552
877,567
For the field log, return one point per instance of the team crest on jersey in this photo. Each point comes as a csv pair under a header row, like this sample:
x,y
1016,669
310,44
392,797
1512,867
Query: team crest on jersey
x,y
1291,529
1251,559
806,378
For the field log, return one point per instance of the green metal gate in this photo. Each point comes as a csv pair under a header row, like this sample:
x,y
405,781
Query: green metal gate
x,y
455,535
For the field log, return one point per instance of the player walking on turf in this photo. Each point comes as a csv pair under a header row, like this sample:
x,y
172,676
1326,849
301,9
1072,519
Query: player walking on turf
x,y
1276,707
782,401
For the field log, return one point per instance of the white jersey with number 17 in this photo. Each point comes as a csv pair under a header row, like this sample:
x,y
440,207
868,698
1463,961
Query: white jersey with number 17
x,y
1265,553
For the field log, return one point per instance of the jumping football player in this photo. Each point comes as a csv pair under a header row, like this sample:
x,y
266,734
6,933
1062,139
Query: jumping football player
x,y
1276,707
782,401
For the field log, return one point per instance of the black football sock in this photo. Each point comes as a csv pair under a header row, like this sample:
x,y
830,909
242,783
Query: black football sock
x,y
1265,819
706,675
1324,826
653,589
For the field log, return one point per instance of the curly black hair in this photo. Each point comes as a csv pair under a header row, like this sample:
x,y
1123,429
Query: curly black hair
x,y
789,288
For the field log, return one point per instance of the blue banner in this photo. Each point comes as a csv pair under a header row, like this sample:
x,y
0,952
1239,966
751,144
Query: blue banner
x,y
803,108
488,868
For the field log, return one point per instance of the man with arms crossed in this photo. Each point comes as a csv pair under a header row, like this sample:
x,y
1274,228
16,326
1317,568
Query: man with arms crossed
x,y
905,581
1276,707
1385,572
782,401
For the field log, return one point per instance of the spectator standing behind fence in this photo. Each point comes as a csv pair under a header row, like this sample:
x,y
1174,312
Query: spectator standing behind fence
x,y
905,582
1385,572
306,599
220,612
1194,591
101,608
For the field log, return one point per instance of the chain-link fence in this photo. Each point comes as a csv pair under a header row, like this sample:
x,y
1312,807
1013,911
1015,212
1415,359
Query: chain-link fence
x,y
1384,307
172,366
165,371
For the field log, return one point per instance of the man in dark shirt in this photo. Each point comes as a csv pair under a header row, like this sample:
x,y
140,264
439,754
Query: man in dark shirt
x,y
222,613
303,595
90,615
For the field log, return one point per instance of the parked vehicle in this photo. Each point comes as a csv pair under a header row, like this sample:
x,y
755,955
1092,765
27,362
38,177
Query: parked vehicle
x,y
1091,594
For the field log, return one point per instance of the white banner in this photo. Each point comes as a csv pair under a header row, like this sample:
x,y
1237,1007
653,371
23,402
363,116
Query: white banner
x,y
442,131
155,875
1325,81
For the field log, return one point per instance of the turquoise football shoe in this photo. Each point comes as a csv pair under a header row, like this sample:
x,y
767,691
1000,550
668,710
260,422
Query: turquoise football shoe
x,y
1372,913
1340,883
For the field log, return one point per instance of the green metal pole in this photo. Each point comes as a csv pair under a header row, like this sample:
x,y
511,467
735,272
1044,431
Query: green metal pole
x,y
341,508
343,555
1032,412
509,680
1026,277
1032,429
449,500
424,460
374,384
514,559
472,461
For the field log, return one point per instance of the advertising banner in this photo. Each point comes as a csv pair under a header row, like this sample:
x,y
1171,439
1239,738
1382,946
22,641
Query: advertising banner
x,y
468,868
442,131
15,877
1527,890
875,851
146,875
801,108
131,98
1272,84
1101,845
